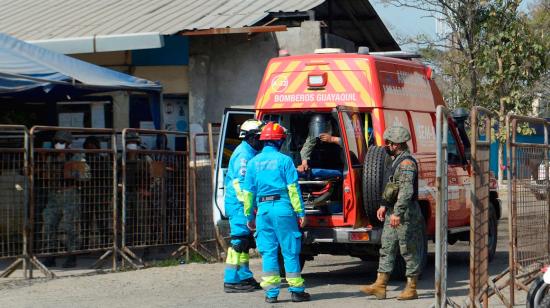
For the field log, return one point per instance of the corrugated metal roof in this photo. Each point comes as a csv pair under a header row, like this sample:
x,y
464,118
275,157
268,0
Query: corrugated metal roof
x,y
49,19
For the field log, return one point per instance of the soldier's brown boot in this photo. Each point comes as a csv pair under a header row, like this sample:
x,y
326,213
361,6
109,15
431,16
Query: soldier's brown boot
x,y
410,290
378,288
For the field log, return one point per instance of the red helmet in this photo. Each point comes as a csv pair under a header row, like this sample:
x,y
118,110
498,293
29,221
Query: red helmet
x,y
273,131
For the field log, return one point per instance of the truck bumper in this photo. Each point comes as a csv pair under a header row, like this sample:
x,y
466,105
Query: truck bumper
x,y
342,235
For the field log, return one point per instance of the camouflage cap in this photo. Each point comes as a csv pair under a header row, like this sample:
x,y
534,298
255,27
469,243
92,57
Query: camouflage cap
x,y
397,134
63,136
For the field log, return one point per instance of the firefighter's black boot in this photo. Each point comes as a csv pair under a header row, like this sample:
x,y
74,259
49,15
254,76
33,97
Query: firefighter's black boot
x,y
251,281
300,297
271,300
237,288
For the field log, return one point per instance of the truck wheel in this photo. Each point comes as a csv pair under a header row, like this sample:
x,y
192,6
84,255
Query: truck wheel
x,y
493,232
376,164
537,293
545,302
400,266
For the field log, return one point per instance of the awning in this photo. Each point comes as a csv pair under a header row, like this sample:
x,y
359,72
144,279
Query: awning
x,y
32,72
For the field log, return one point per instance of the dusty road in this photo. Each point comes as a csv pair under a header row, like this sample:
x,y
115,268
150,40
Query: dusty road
x,y
332,281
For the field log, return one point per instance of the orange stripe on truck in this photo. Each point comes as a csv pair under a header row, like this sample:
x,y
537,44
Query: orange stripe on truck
x,y
288,69
354,81
363,65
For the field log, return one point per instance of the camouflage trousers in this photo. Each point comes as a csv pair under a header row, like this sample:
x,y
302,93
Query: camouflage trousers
x,y
405,239
62,212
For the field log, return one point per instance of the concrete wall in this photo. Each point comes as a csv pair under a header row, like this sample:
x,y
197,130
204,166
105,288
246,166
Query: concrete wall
x,y
301,40
226,70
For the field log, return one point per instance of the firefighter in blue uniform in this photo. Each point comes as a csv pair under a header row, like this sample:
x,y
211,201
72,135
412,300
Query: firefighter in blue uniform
x,y
271,186
237,276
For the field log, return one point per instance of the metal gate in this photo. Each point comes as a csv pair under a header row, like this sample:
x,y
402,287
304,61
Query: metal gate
x,y
155,190
72,192
481,137
13,196
441,182
528,203
204,229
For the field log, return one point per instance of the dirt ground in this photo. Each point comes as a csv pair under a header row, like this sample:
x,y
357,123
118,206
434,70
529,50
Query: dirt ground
x,y
333,281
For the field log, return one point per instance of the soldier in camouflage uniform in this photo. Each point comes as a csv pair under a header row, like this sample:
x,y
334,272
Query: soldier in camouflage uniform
x,y
402,217
321,149
63,173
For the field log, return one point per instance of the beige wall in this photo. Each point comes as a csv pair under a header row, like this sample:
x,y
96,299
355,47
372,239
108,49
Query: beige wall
x,y
174,78
115,58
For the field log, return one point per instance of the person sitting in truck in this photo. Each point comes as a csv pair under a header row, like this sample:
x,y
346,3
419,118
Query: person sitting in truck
x,y
321,149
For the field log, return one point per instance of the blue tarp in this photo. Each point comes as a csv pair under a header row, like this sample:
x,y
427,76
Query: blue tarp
x,y
31,72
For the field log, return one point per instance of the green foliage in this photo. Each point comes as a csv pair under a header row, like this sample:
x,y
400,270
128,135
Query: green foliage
x,y
193,258
511,59
493,56
166,262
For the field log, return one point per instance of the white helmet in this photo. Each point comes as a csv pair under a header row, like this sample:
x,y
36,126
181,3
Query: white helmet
x,y
250,127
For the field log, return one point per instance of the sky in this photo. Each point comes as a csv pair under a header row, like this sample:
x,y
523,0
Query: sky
x,y
403,22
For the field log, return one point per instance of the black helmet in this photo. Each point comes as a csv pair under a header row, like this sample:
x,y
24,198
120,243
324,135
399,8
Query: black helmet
x,y
133,137
319,124
63,136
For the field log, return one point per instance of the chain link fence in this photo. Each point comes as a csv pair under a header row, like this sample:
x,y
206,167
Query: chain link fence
x,y
155,189
528,202
203,164
13,194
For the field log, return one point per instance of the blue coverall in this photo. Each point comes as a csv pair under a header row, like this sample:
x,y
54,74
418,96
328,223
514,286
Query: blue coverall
x,y
272,175
237,269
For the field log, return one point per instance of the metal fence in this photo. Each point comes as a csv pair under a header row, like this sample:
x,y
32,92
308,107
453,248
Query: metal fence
x,y
481,137
441,299
155,189
73,191
205,233
528,203
482,134
13,195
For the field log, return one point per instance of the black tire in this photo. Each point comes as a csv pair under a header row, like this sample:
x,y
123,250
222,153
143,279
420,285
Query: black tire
x,y
375,167
400,267
545,302
533,292
493,232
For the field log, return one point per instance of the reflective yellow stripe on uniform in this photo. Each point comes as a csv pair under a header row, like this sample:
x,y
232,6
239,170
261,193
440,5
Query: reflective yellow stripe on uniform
x,y
294,279
270,280
232,260
294,198
244,258
238,191
248,200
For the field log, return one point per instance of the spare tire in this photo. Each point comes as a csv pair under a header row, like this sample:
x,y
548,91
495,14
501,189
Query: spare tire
x,y
375,168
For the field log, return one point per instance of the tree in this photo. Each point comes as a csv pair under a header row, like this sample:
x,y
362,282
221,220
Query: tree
x,y
539,21
490,56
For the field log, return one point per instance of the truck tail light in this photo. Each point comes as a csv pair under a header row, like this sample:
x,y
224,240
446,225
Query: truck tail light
x,y
317,80
359,236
